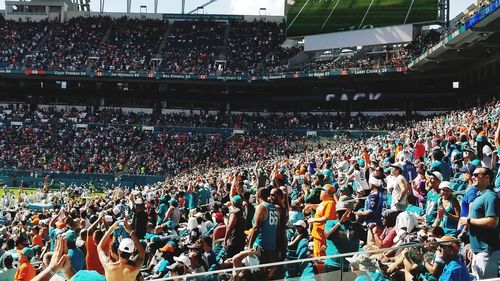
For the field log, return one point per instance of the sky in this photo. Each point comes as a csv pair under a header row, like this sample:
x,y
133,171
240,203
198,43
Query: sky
x,y
236,7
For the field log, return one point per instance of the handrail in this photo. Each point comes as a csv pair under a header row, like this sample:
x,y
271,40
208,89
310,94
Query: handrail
x,y
231,270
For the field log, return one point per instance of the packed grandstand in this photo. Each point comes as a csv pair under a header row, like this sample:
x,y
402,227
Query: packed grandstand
x,y
102,44
95,191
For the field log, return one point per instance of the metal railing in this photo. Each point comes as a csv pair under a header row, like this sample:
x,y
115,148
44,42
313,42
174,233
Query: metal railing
x,y
340,274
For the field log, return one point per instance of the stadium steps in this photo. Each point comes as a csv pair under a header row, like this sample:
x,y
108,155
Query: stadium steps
x,y
42,41
164,40
299,58
103,41
108,33
37,48
225,46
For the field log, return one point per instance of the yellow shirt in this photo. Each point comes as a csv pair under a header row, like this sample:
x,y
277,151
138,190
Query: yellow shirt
x,y
325,209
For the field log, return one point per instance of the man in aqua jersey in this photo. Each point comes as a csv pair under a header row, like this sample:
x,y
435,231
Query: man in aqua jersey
x,y
263,234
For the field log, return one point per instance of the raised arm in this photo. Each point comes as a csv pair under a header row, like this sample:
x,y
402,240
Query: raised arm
x,y
93,227
106,239
497,135
56,218
140,258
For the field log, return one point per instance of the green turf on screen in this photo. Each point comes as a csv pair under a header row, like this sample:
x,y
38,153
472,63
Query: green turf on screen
x,y
322,16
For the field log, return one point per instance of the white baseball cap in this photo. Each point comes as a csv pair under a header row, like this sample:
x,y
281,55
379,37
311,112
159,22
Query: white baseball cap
x,y
399,165
445,184
437,174
127,246
300,223
183,259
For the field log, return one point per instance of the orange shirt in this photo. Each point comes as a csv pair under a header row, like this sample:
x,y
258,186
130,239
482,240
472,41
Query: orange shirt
x,y
37,240
25,272
325,209
366,157
92,257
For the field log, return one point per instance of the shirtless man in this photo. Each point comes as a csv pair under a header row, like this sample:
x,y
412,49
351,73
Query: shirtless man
x,y
124,269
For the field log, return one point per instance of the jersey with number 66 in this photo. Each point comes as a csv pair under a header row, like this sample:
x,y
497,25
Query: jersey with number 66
x,y
266,238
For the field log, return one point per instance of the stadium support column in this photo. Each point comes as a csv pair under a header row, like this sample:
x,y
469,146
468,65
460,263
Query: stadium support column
x,y
444,12
183,6
157,107
408,108
348,110
156,6
33,102
129,3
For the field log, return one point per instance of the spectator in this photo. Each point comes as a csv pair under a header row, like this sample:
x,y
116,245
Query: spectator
x,y
234,239
123,267
340,238
324,211
483,217
400,188
448,212
26,271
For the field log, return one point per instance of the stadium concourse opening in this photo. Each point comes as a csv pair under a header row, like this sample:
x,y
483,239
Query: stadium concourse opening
x,y
217,147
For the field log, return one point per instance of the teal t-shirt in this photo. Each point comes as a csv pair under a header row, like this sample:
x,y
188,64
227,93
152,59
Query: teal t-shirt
x,y
443,168
431,205
7,274
455,270
329,176
204,196
85,275
343,241
162,266
266,238
295,217
302,249
487,204
77,259
162,210
193,203
449,225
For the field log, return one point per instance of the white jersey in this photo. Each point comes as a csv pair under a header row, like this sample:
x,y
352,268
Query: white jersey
x,y
487,154
360,179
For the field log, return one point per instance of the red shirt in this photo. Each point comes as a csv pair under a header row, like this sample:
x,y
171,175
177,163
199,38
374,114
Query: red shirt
x,y
92,257
419,150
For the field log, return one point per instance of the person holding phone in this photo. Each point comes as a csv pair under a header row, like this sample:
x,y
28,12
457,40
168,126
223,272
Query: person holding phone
x,y
124,268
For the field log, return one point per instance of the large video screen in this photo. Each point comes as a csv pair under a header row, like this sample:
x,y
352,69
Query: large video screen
x,y
307,17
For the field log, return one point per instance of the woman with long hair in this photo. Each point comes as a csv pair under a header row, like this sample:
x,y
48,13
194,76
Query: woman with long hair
x,y
448,210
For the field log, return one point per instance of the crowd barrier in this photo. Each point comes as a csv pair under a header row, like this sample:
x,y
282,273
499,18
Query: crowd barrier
x,y
363,265
36,179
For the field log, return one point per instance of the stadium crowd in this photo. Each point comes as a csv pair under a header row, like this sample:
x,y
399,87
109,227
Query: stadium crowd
x,y
68,45
50,140
194,47
130,46
433,181
311,121
18,39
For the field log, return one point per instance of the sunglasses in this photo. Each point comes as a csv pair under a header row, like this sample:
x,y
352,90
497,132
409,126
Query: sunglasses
x,y
479,175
